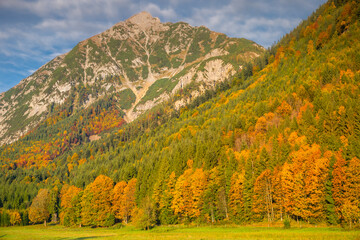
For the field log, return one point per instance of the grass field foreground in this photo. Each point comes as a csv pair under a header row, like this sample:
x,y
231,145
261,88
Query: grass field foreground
x,y
177,232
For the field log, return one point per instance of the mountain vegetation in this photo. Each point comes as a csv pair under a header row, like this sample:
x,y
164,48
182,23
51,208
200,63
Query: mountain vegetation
x,y
138,63
279,141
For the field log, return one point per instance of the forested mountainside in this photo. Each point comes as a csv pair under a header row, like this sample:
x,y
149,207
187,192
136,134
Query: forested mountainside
x,y
276,142
137,63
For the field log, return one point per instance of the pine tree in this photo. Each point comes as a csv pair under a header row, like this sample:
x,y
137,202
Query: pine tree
x,y
330,203
167,215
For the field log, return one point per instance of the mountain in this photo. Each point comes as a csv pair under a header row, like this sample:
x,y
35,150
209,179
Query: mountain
x,y
278,141
140,62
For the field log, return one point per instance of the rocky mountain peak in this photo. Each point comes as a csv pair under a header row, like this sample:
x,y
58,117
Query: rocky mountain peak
x,y
143,19
138,63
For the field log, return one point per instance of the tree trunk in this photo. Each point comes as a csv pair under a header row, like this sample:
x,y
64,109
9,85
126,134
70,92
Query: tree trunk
x,y
226,212
45,223
54,218
212,215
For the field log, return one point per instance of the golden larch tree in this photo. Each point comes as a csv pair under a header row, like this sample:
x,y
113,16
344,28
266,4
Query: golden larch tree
x,y
129,200
96,202
118,199
236,196
39,209
67,193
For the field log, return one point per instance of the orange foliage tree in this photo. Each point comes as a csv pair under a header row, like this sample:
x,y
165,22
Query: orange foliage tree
x,y
66,196
189,189
236,197
15,218
118,200
263,195
304,183
284,109
96,203
129,200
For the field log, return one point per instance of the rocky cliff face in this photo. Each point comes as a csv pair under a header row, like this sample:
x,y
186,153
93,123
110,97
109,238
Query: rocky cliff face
x,y
152,59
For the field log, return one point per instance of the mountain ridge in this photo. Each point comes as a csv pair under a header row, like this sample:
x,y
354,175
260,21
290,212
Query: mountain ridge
x,y
133,54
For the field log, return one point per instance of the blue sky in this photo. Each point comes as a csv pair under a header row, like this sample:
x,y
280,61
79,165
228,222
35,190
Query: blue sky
x,y
32,32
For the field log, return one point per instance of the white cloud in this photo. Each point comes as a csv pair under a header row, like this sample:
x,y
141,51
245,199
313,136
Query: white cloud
x,y
4,35
156,11
260,20
31,71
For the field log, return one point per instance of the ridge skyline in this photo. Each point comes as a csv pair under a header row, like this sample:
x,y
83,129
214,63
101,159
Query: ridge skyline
x,y
45,31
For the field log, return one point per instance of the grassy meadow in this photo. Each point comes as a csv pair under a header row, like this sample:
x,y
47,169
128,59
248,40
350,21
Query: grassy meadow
x,y
177,232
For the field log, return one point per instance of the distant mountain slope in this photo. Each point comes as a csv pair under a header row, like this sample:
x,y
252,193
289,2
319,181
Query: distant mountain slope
x,y
148,59
280,142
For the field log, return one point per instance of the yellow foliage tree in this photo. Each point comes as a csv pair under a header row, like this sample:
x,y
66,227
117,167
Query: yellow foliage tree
x,y
284,109
96,203
66,195
118,199
39,209
189,189
15,218
236,197
263,195
129,200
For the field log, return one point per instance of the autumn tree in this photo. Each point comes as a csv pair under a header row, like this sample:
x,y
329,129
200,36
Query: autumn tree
x,y
39,209
339,183
182,195
96,202
75,214
263,195
304,182
310,47
145,216
260,126
188,194
288,182
352,184
284,109
199,182
350,212
15,218
118,199
128,200
236,198
278,193
67,195
348,204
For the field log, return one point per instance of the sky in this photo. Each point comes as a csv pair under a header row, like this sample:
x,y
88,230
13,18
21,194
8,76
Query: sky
x,y
33,32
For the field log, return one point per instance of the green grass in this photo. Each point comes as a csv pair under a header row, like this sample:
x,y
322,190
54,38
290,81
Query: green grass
x,y
158,88
126,98
177,232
